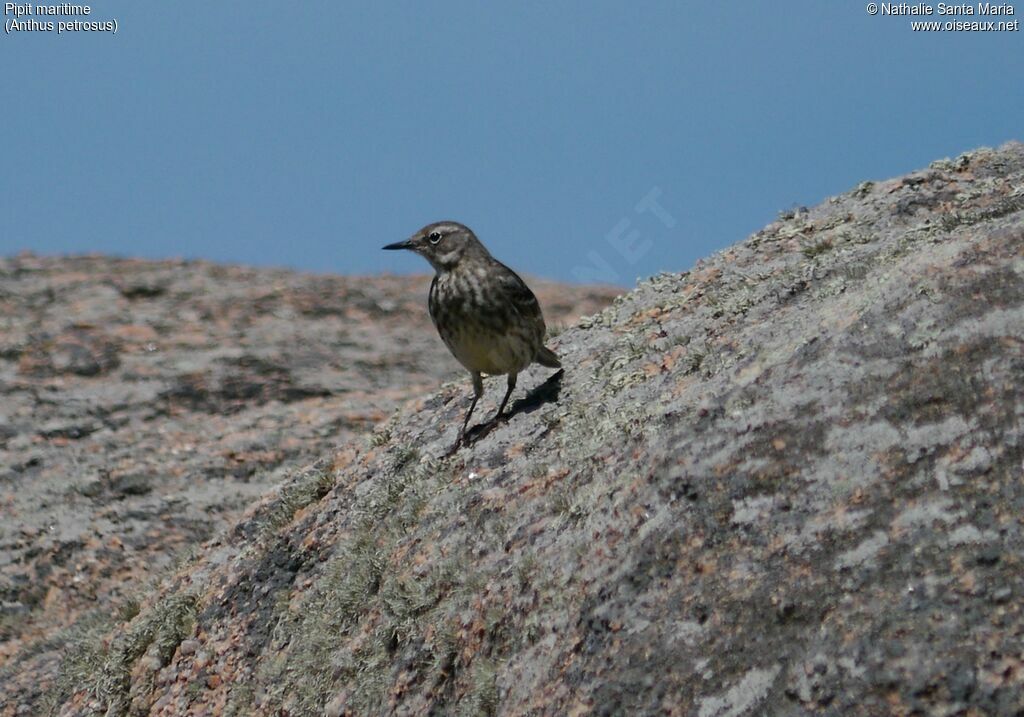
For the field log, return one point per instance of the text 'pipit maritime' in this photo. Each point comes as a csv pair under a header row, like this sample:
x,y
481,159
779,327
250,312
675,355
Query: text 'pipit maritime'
x,y
486,315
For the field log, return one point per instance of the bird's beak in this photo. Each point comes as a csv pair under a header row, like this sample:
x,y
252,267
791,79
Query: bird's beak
x,y
407,244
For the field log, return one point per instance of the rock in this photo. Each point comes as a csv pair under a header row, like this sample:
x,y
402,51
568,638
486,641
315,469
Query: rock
x,y
7,432
144,405
726,504
131,484
82,351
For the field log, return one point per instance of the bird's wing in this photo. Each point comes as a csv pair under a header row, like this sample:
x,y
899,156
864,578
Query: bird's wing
x,y
432,301
519,295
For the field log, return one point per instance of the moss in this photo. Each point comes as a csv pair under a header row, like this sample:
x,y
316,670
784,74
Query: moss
x,y
1000,208
406,608
370,676
693,361
399,490
341,599
526,567
173,621
194,689
402,457
84,658
445,652
952,165
560,501
482,699
863,189
385,432
353,581
556,328
86,646
472,583
128,610
619,381
818,248
403,600
358,588
380,437
551,420
796,229
10,624
310,486
105,673
240,701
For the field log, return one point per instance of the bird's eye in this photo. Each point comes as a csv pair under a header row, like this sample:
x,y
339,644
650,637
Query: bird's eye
x,y
434,237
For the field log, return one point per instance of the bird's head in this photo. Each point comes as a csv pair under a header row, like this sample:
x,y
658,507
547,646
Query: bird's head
x,y
443,244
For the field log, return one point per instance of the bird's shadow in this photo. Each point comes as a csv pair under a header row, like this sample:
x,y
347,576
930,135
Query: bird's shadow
x,y
546,392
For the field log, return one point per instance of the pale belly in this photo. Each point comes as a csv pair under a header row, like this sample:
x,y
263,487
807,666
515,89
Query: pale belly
x,y
499,341
490,353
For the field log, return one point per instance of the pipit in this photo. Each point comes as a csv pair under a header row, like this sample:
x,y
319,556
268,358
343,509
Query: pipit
x,y
486,315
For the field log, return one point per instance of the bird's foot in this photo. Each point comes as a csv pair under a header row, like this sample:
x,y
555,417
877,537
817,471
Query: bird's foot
x,y
473,434
454,447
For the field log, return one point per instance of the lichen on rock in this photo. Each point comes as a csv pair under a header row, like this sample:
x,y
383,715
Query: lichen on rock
x,y
786,481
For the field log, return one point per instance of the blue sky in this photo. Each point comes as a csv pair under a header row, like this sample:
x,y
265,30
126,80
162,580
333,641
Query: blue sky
x,y
309,134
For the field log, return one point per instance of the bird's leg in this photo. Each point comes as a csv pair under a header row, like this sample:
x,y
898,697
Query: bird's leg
x,y
478,391
511,385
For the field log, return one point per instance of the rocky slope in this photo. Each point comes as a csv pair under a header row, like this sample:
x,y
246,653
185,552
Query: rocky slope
x,y
143,405
785,482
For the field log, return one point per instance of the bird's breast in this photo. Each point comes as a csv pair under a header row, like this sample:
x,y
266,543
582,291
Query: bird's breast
x,y
480,326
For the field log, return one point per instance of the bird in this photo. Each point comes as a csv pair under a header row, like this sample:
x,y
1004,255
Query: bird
x,y
484,312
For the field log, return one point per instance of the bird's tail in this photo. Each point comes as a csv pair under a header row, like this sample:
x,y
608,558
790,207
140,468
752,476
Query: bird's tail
x,y
547,357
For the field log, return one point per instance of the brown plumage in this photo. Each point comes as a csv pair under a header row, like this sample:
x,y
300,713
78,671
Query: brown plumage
x,y
486,315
